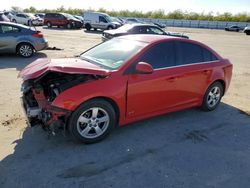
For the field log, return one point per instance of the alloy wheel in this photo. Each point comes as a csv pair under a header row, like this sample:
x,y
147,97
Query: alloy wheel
x,y
213,96
93,122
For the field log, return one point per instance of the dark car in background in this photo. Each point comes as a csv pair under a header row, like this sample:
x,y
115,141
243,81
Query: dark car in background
x,y
20,39
62,20
233,28
139,28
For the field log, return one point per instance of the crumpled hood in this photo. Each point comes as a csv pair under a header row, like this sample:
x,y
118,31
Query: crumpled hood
x,y
66,65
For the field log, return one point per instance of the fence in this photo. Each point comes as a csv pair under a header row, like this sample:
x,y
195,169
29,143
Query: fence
x,y
195,23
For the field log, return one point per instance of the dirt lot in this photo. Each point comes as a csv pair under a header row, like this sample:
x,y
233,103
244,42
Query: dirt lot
x,y
184,149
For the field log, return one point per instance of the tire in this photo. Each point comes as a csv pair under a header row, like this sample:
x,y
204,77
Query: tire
x,y
237,30
14,20
29,23
247,32
25,50
49,25
88,27
110,27
69,26
212,96
84,124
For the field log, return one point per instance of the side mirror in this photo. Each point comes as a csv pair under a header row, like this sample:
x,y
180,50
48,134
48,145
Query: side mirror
x,y
144,68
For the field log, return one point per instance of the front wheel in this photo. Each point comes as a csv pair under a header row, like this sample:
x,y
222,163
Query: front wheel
x,y
212,96
92,121
110,27
69,26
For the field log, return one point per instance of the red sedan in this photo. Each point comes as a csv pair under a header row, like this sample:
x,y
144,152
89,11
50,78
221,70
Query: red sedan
x,y
123,80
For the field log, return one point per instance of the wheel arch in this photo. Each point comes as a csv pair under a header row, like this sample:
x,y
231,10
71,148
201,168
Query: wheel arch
x,y
24,42
111,102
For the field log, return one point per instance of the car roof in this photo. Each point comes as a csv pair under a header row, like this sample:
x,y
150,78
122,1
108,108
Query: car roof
x,y
148,38
143,24
14,24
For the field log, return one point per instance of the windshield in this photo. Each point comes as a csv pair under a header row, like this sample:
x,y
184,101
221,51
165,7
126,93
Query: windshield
x,y
108,18
113,53
69,16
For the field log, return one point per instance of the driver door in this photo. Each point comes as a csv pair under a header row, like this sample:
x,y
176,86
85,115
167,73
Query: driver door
x,y
102,23
150,93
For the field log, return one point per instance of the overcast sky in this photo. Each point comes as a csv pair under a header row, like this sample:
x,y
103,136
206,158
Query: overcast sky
x,y
221,6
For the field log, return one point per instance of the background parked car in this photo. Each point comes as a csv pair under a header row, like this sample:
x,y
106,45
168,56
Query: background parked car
x,y
138,29
9,14
247,30
3,17
20,39
62,20
79,18
40,15
27,19
97,20
233,28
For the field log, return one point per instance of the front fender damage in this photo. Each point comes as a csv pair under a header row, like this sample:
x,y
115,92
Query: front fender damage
x,y
39,94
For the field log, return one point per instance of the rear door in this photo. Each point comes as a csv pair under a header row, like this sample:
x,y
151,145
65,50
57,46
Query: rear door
x,y
194,70
8,38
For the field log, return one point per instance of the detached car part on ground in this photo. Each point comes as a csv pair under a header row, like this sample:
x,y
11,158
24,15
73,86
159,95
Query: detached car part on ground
x,y
120,81
19,39
138,28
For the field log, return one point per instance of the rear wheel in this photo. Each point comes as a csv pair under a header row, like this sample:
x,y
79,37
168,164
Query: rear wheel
x,y
14,20
88,27
92,121
49,24
25,50
247,32
212,96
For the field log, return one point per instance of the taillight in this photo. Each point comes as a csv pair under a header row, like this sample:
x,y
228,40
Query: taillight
x,y
38,34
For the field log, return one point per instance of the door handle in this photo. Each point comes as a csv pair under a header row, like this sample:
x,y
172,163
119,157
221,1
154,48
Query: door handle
x,y
171,79
206,71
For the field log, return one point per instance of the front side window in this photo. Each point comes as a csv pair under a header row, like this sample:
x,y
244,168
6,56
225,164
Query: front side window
x,y
160,56
102,19
155,31
113,53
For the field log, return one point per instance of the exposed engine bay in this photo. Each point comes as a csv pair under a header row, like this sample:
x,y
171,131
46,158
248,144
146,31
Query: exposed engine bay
x,y
39,93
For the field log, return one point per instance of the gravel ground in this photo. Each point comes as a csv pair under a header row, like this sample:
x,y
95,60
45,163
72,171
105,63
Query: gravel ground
x,y
190,148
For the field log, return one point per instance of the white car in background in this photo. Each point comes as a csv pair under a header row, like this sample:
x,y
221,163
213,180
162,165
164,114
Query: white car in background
x,y
247,30
27,19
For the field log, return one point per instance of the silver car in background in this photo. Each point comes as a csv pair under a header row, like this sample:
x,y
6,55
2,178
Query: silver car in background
x,y
20,39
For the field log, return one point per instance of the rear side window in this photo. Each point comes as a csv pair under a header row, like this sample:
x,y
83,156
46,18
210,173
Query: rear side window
x,y
188,53
9,29
208,56
160,56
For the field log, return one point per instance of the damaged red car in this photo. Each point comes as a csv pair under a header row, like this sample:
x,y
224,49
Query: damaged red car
x,y
120,81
